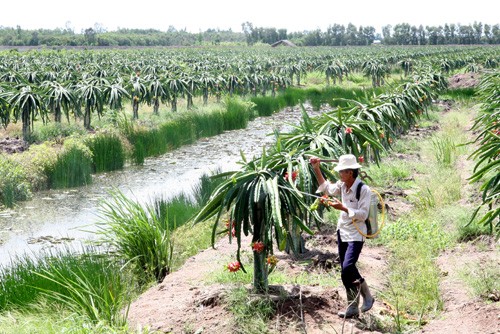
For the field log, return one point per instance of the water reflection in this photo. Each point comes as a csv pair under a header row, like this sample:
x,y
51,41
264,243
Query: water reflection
x,y
72,214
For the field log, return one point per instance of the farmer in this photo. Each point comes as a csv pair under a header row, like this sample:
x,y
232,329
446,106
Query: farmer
x,y
350,241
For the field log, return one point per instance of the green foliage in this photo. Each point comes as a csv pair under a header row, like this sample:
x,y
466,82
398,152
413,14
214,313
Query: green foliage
x,y
292,96
207,123
73,167
86,282
413,276
482,278
487,168
175,211
52,319
206,186
444,151
393,172
107,151
190,240
37,162
146,142
54,130
459,216
251,312
471,230
267,105
417,281
99,301
177,133
138,235
315,97
14,183
237,114
461,94
416,230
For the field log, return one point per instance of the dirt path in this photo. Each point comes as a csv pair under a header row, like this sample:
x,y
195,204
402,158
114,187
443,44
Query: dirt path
x,y
184,303
462,312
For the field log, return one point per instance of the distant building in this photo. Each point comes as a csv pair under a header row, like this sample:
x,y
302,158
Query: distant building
x,y
283,42
377,41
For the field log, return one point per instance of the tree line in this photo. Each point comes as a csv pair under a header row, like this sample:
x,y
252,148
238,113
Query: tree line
x,y
334,35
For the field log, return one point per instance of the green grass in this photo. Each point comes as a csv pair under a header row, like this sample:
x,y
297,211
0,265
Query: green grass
x,y
482,279
189,240
138,236
177,133
293,96
53,130
251,312
85,282
207,123
394,172
108,153
267,105
460,94
51,319
237,114
437,222
444,151
14,183
175,211
206,185
73,167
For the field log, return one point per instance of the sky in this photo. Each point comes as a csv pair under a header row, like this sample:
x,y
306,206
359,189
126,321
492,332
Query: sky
x,y
200,15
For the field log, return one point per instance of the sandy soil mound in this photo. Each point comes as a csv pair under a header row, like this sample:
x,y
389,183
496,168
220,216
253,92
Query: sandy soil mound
x,y
463,80
12,145
183,303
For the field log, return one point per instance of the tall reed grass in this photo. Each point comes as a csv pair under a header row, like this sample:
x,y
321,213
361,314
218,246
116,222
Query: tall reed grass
x,y
237,114
463,94
108,153
207,124
206,185
267,105
73,167
138,236
177,133
175,211
86,282
187,128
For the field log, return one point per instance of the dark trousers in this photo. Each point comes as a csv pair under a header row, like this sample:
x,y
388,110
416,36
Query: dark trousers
x,y
349,254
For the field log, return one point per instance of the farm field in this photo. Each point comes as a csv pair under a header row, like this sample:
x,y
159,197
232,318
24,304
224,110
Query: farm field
x,y
424,121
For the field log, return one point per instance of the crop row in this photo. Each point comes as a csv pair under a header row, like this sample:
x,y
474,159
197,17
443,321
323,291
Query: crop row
x,y
49,84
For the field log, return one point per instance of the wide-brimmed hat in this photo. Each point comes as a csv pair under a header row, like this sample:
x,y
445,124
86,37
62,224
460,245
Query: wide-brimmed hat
x,y
347,161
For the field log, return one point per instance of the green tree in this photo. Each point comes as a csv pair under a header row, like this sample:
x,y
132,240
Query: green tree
x,y
27,103
59,98
90,36
258,200
91,95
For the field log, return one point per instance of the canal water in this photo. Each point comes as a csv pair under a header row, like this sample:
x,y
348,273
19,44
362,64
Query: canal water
x,y
56,217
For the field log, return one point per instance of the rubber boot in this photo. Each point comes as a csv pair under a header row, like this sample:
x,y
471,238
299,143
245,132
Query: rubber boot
x,y
352,304
368,299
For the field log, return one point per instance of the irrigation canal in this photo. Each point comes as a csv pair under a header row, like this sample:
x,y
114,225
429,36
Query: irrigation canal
x,y
60,217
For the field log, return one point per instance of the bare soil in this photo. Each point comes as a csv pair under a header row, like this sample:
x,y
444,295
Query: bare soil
x,y
464,313
185,303
464,80
12,145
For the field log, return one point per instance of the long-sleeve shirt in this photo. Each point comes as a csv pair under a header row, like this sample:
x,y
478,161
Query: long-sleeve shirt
x,y
357,210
